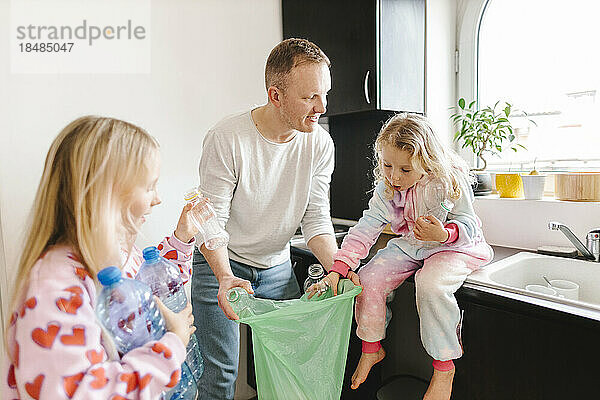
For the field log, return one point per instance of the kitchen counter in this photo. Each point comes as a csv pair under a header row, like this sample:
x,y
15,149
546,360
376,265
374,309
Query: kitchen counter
x,y
486,295
299,247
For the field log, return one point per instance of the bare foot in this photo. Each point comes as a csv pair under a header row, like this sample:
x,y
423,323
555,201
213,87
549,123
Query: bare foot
x,y
366,362
440,387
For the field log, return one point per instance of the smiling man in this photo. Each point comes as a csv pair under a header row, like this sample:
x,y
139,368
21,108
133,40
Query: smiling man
x,y
266,171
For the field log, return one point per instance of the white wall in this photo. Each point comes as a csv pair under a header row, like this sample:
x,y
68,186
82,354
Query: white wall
x,y
207,61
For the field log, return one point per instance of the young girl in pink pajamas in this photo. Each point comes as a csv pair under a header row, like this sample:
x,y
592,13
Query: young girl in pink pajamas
x,y
412,164
98,185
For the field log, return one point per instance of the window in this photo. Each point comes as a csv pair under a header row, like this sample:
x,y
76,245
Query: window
x,y
542,56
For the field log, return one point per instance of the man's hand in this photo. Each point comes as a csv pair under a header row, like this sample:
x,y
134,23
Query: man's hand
x,y
225,284
430,229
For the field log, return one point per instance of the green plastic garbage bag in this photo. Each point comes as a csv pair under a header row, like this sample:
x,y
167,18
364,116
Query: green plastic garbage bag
x,y
300,346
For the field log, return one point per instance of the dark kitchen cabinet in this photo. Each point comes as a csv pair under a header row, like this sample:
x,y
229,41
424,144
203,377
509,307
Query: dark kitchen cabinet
x,y
376,48
516,350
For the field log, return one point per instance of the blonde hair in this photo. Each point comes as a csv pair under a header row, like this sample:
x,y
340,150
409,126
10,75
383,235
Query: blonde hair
x,y
84,196
287,55
413,133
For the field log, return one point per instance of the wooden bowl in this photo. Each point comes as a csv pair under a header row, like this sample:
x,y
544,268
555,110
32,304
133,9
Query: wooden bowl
x,y
577,186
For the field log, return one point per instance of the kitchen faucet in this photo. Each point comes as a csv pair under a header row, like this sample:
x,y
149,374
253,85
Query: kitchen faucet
x,y
592,251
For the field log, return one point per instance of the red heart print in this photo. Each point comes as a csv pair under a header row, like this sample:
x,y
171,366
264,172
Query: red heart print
x,y
73,257
13,318
45,338
171,255
16,354
11,380
174,378
81,273
75,339
144,381
94,356
71,383
160,247
161,348
75,290
101,380
131,379
33,388
29,303
70,305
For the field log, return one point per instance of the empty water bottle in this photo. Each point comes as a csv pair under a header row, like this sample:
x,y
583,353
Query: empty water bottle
x,y
205,219
245,305
164,279
315,274
432,199
126,309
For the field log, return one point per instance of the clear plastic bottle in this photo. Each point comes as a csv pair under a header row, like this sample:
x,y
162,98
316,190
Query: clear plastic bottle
x,y
315,274
245,305
126,309
164,279
206,221
432,199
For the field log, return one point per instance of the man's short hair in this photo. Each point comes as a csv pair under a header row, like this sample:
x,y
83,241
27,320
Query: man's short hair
x,y
288,54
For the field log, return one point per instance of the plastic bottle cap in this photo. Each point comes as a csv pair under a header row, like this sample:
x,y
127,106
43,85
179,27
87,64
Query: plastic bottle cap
x,y
109,275
446,207
191,194
150,253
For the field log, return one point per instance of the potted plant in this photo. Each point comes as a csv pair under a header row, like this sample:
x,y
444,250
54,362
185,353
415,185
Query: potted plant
x,y
484,131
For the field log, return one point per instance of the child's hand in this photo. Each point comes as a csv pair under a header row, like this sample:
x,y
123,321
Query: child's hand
x,y
430,229
186,229
181,323
331,280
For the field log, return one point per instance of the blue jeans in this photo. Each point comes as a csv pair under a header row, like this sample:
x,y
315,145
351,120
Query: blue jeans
x,y
219,337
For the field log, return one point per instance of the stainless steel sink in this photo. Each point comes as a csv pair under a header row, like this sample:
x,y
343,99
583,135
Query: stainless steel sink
x,y
513,273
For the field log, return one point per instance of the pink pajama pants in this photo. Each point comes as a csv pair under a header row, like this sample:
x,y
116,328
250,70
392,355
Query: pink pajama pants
x,y
437,278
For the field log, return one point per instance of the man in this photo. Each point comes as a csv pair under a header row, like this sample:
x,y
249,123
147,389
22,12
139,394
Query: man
x,y
266,171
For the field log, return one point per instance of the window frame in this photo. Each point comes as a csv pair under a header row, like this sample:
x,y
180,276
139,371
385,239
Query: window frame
x,y
469,18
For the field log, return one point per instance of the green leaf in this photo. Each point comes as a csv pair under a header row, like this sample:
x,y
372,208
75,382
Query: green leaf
x,y
472,104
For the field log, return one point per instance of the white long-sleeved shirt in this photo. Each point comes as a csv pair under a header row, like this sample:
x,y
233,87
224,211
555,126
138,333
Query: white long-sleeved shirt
x,y
262,190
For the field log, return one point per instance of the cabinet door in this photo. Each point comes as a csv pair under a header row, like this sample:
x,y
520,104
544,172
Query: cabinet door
x,y
402,55
346,32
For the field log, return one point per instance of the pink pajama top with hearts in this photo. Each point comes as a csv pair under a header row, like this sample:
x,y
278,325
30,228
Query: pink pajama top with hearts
x,y
57,344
